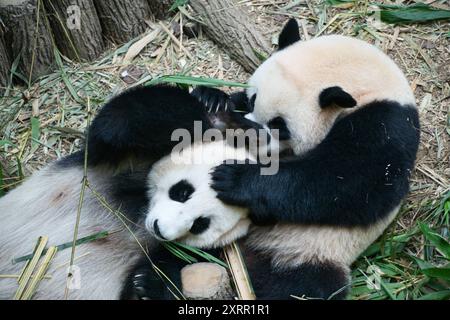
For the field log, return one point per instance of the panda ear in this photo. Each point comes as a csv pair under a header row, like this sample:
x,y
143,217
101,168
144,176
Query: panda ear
x,y
289,35
336,96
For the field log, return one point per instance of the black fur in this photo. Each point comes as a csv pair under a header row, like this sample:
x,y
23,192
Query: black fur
x,y
140,122
200,225
289,35
129,192
143,283
318,280
354,177
215,100
279,124
73,160
181,191
336,96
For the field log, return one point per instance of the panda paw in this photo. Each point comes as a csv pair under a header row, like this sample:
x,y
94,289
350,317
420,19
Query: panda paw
x,y
231,182
214,100
143,285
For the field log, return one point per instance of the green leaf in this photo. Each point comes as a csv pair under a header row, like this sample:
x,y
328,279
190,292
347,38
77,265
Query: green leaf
x,y
19,169
422,263
90,238
178,3
442,245
196,81
206,256
2,190
419,12
440,295
7,143
260,55
337,3
179,253
35,133
441,273
66,79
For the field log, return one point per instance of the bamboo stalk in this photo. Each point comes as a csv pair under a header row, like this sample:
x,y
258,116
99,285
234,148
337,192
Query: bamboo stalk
x,y
239,272
40,273
30,266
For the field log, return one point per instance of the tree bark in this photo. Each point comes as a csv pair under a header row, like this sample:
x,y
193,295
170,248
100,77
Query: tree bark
x,y
5,62
76,28
33,44
122,20
160,8
232,29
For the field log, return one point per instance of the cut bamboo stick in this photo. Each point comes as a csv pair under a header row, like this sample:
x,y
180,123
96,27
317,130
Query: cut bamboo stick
x,y
40,273
239,272
30,266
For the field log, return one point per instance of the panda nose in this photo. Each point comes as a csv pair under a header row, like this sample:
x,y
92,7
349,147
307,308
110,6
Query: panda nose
x,y
157,231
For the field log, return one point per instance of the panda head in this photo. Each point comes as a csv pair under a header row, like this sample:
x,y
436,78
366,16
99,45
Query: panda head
x,y
306,85
184,208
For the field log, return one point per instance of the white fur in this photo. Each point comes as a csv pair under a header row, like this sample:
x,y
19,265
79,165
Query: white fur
x,y
288,84
46,205
291,245
176,218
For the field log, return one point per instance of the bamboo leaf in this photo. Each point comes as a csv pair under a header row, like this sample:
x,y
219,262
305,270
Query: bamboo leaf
x,y
440,295
7,143
178,3
19,169
441,273
442,245
340,3
419,12
35,133
195,81
65,79
90,238
2,188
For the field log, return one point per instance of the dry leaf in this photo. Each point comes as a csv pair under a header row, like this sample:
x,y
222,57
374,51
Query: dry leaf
x,y
137,47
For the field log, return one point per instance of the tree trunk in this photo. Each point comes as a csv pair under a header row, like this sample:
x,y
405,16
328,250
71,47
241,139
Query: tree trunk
x,y
160,8
76,28
33,44
231,28
5,62
122,20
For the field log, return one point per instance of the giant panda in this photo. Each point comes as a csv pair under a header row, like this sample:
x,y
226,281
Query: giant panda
x,y
346,111
130,133
183,208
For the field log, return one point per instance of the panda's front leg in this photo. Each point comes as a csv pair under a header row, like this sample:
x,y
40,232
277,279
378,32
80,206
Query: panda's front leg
x,y
244,185
143,282
215,100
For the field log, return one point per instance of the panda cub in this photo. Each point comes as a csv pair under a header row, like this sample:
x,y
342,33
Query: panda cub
x,y
129,134
184,208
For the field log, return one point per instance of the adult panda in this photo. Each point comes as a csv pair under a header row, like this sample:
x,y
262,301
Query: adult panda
x,y
130,133
349,115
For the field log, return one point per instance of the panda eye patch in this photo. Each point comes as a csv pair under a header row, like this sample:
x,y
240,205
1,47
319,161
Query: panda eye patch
x,y
181,191
279,124
251,103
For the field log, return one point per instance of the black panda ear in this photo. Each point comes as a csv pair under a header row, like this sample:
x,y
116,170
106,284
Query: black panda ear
x,y
336,96
289,35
